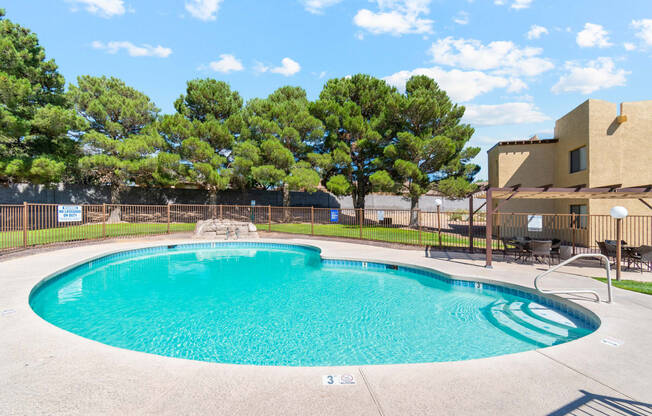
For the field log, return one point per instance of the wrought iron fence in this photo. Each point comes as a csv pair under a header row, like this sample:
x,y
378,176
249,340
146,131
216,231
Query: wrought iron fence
x,y
581,232
29,225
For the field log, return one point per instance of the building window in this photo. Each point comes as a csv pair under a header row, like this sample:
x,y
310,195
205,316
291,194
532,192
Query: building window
x,y
578,160
581,219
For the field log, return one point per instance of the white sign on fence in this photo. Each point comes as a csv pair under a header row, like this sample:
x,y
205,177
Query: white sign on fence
x,y
69,213
535,223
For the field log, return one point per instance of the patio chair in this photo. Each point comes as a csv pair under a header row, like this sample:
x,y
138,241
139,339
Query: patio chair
x,y
540,250
555,249
511,247
607,250
646,257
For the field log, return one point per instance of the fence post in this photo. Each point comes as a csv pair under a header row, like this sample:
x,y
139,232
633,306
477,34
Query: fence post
x,y
221,212
312,220
269,218
498,230
168,218
471,224
573,225
439,224
361,221
489,230
103,220
619,237
419,226
25,222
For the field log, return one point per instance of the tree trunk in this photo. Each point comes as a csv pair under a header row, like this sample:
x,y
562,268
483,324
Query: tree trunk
x,y
414,213
286,202
115,193
114,215
212,201
358,196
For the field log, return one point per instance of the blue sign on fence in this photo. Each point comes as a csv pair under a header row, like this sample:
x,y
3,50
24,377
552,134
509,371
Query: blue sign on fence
x,y
335,215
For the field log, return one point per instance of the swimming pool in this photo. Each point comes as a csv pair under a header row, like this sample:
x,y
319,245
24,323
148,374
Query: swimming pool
x,y
277,304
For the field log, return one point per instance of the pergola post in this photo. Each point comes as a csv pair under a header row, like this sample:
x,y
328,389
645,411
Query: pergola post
x,y
488,232
471,223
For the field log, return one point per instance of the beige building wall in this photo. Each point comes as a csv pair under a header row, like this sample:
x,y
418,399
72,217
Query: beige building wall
x,y
622,152
572,131
524,164
617,153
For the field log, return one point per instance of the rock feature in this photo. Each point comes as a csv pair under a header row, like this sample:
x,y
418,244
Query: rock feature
x,y
225,230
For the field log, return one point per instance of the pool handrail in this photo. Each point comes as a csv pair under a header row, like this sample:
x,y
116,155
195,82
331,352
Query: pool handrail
x,y
607,268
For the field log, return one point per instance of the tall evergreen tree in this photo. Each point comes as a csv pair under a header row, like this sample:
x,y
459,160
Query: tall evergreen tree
x,y
354,112
121,145
35,117
282,131
429,151
203,131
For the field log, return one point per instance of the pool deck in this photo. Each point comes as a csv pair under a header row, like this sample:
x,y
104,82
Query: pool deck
x,y
46,370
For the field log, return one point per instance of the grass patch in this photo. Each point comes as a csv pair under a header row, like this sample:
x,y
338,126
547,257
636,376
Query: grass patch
x,y
633,285
385,234
13,239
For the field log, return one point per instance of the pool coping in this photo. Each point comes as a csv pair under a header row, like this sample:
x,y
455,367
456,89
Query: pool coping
x,y
577,356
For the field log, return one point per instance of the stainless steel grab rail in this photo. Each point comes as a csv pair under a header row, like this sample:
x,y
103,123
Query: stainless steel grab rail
x,y
607,268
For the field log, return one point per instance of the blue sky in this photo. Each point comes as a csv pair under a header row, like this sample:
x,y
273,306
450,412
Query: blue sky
x,y
517,65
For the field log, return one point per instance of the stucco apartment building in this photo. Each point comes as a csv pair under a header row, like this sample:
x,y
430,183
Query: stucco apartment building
x,y
597,144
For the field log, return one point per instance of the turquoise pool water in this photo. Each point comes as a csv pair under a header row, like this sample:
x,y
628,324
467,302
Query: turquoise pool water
x,y
283,305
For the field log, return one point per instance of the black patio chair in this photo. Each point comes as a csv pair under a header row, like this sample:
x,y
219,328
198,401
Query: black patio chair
x,y
555,249
540,250
646,257
511,247
607,250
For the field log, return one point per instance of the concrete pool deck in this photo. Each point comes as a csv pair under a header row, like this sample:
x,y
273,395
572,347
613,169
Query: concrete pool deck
x,y
46,370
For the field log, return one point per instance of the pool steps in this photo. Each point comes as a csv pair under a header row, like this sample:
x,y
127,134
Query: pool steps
x,y
518,319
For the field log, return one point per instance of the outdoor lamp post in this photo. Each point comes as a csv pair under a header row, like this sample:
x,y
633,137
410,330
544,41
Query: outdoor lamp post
x,y
618,213
438,203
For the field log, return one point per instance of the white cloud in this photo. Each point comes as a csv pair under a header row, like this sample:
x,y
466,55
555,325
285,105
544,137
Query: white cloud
x,y
598,74
104,8
460,86
288,67
203,9
226,64
260,67
536,32
462,18
593,35
629,46
133,50
521,4
396,17
503,57
318,6
502,114
644,27
516,4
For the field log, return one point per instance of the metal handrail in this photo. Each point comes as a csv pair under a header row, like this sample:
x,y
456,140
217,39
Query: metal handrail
x,y
572,259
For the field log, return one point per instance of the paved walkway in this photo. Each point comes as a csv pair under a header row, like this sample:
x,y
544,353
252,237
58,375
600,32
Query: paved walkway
x,y
45,370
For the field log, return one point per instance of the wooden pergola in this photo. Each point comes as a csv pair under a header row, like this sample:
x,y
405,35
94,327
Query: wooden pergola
x,y
548,192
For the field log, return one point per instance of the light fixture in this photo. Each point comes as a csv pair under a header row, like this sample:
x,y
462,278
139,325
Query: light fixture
x,y
438,202
618,212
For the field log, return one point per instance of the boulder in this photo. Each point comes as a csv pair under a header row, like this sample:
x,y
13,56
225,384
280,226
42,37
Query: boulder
x,y
225,230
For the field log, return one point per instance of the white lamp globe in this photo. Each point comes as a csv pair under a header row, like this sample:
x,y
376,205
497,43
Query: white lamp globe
x,y
438,202
618,212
